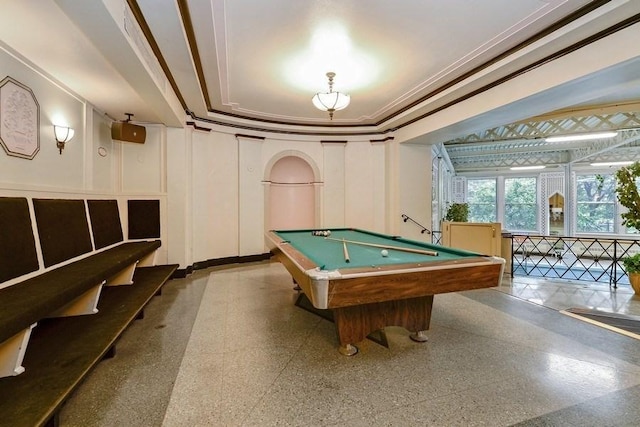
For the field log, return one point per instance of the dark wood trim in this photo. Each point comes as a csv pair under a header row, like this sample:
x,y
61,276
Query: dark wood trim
x,y
280,131
181,273
230,260
193,46
389,138
344,141
137,13
196,127
241,135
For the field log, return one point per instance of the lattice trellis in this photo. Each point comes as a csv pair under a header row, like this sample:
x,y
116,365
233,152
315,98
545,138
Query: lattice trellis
x,y
523,144
560,126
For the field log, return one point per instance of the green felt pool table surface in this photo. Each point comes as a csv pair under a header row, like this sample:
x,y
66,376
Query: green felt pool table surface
x,y
328,254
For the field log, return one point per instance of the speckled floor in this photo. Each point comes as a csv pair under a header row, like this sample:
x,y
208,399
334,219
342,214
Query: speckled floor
x,y
227,347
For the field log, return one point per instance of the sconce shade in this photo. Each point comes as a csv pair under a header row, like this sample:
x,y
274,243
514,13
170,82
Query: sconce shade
x,y
63,135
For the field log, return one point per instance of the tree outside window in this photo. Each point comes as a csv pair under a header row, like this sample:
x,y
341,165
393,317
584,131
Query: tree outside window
x,y
520,206
628,229
596,203
481,198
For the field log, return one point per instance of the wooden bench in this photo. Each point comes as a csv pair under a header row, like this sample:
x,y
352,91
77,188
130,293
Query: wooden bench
x,y
71,290
62,351
72,274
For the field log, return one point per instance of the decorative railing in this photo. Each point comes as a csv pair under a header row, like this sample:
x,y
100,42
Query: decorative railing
x,y
572,258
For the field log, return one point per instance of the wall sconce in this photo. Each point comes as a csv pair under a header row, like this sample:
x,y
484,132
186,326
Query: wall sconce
x,y
63,135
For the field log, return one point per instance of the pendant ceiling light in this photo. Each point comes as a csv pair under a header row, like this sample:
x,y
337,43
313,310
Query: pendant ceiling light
x,y
331,101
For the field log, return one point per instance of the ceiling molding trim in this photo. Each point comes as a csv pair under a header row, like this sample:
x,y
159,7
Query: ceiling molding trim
x,y
561,53
241,135
196,127
313,133
594,5
381,129
187,24
146,31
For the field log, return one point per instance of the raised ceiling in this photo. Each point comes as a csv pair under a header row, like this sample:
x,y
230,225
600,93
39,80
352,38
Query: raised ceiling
x,y
256,64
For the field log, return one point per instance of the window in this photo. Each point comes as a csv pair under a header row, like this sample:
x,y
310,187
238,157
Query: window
x,y
481,198
520,205
596,203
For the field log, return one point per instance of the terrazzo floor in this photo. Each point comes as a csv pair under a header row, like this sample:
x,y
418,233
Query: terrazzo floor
x,y
227,347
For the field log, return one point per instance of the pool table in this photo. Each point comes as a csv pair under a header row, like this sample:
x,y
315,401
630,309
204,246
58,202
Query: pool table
x,y
372,290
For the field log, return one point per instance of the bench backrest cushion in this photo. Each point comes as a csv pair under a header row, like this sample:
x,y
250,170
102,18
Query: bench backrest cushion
x,y
144,219
17,246
105,222
62,228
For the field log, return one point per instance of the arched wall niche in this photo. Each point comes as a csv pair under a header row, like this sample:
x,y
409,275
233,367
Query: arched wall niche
x,y
292,193
292,153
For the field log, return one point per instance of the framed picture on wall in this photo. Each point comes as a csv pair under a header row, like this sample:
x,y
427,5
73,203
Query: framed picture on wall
x,y
19,119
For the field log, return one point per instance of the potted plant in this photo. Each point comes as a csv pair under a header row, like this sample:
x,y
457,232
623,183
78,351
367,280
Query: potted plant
x,y
627,193
457,212
632,267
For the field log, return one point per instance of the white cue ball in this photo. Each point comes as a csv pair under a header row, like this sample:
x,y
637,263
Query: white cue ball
x,y
384,252
328,232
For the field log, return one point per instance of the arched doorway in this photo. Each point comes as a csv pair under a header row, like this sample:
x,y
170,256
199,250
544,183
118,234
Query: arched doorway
x,y
291,199
556,214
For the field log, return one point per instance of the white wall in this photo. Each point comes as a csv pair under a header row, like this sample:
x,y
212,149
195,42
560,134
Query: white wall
x,y
414,189
227,188
214,196
57,106
91,165
143,165
334,180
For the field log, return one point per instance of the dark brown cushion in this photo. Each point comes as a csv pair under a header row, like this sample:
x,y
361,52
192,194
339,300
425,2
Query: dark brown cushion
x,y
105,222
63,229
144,219
17,246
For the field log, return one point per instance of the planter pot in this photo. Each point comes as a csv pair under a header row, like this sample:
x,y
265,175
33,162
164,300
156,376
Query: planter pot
x,y
634,279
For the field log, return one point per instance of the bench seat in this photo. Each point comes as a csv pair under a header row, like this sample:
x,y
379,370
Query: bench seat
x,y
25,303
70,290
63,350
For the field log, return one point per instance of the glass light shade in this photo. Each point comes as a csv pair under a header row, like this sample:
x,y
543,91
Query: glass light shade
x,y
63,134
581,137
526,168
621,163
331,101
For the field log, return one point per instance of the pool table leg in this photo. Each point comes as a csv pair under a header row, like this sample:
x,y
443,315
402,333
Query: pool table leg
x,y
354,323
418,336
348,349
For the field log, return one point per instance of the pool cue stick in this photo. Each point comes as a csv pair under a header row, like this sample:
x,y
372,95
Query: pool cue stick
x,y
397,248
345,251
